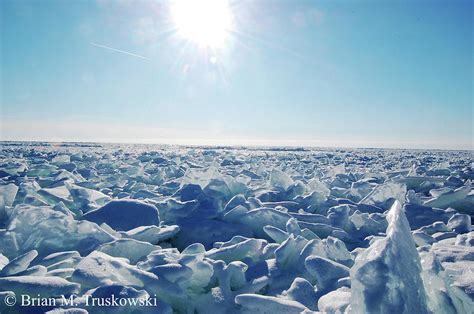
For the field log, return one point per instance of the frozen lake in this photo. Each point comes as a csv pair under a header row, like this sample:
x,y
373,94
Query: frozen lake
x,y
234,229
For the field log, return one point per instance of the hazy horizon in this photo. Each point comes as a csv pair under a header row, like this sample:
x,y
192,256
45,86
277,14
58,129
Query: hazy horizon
x,y
210,143
287,73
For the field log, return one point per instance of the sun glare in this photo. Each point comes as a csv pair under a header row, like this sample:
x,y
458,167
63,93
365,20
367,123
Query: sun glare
x,y
204,22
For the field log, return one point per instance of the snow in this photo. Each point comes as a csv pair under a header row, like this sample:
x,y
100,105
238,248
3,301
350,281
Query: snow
x,y
238,230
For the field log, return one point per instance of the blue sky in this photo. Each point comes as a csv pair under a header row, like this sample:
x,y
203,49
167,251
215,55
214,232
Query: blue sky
x,y
317,73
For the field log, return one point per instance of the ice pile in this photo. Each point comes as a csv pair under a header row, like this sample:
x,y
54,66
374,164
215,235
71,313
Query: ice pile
x,y
236,230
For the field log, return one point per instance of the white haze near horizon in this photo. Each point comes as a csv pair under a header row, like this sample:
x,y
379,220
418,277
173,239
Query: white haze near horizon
x,y
116,132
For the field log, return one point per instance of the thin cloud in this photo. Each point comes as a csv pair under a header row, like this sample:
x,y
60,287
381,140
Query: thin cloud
x,y
121,51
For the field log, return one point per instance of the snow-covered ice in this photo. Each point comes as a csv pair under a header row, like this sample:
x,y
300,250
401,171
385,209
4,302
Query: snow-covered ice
x,y
236,229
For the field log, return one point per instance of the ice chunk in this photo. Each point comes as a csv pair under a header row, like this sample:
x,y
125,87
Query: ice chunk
x,y
256,219
360,189
280,180
124,215
255,303
235,213
173,272
161,257
320,188
449,199
194,249
172,210
312,218
202,272
288,254
250,248
153,234
364,224
339,215
337,251
60,207
276,234
335,170
41,170
466,239
3,211
320,229
59,257
9,193
463,284
438,236
134,250
420,216
189,192
38,270
230,277
435,227
441,297
325,272
207,232
331,248
422,238
56,194
65,273
293,227
99,269
336,301
302,291
383,192
460,223
3,261
84,197
413,198
201,177
19,264
238,199
61,159
386,277
45,286
49,231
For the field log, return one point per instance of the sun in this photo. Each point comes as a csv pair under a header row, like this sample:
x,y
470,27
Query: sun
x,y
205,22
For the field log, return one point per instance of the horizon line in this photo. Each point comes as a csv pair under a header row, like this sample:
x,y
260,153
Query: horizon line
x,y
183,143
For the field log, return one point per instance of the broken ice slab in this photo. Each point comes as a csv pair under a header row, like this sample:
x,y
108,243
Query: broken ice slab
x,y
389,267
124,215
255,303
49,231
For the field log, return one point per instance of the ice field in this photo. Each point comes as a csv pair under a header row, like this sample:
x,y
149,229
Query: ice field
x,y
235,230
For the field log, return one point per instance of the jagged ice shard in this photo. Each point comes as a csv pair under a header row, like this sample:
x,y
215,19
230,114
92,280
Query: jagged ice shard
x,y
386,278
